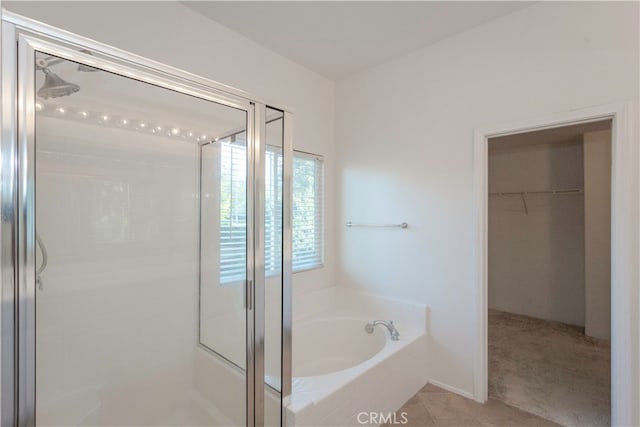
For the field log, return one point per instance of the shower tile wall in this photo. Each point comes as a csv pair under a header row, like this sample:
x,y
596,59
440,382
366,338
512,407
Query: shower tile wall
x,y
117,308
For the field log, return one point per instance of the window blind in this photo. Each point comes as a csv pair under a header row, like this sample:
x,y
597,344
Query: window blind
x,y
308,198
273,212
233,209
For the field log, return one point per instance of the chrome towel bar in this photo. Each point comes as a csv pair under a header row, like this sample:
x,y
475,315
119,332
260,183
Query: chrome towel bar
x,y
357,224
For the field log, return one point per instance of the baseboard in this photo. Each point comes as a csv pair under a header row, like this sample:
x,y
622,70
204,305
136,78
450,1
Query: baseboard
x,y
453,389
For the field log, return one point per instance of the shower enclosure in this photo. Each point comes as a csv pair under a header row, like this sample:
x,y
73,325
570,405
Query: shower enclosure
x,y
140,205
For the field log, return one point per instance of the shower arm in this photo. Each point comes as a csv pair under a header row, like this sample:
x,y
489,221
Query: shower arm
x,y
43,64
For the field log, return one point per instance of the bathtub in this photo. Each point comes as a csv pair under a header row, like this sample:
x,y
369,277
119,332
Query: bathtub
x,y
341,371
331,344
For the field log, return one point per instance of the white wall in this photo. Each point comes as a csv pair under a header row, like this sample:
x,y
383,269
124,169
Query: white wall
x,y
176,35
536,259
597,209
404,145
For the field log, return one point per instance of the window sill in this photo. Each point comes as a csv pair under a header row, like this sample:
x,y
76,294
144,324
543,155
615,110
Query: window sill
x,y
314,267
302,270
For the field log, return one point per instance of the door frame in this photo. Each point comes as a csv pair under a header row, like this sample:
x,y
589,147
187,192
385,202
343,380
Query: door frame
x,y
21,37
625,233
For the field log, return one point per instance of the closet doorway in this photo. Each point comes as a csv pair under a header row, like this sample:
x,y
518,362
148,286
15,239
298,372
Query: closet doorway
x,y
549,272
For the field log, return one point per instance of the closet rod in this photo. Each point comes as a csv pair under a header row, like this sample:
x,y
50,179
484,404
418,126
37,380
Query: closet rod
x,y
524,193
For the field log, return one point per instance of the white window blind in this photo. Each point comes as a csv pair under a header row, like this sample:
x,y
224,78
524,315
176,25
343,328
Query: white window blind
x,y
308,197
273,212
233,209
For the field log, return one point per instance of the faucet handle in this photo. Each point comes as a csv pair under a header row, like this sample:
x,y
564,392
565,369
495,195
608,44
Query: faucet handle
x,y
395,335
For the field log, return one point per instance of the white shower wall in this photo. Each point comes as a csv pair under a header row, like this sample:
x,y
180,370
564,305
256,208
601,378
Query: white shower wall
x,y
117,213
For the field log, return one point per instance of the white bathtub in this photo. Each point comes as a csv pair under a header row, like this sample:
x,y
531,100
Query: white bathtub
x,y
325,345
339,370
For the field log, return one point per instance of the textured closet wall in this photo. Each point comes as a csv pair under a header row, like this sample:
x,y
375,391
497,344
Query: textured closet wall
x,y
536,259
597,205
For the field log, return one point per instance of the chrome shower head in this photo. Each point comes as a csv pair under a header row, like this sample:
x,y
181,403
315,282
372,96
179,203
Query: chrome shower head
x,y
55,87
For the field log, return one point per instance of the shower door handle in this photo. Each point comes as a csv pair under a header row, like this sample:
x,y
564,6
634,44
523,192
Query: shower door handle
x,y
45,257
248,293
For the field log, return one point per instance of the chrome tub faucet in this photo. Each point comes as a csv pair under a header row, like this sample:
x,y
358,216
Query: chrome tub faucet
x,y
395,335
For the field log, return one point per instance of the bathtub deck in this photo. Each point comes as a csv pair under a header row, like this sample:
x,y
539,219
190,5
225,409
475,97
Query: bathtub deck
x,y
336,399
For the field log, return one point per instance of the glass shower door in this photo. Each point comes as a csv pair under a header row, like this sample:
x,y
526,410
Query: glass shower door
x,y
224,313
117,226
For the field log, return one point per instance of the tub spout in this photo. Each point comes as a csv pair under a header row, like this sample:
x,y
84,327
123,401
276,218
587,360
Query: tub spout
x,y
395,335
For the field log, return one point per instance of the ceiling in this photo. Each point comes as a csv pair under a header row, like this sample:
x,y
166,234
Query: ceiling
x,y
571,134
340,38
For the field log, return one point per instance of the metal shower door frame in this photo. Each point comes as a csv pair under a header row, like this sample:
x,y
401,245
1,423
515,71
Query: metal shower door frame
x,y
21,38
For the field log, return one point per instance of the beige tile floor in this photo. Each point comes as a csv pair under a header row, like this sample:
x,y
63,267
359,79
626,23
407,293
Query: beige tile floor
x,y
433,406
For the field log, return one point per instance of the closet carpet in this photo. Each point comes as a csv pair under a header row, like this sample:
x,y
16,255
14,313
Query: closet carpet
x,y
549,369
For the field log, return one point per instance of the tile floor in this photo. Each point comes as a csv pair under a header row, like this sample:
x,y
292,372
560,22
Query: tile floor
x,y
545,368
433,406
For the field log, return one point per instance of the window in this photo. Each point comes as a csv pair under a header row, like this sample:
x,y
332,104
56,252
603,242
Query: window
x,y
308,197
273,212
233,209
